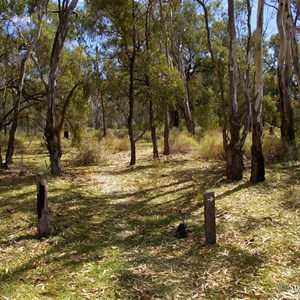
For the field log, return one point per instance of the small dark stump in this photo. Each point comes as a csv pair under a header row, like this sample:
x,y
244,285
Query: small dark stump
x,y
43,226
181,231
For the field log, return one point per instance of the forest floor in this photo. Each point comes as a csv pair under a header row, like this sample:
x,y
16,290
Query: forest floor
x,y
113,231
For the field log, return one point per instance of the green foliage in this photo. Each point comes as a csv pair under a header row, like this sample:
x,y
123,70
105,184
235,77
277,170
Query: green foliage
x,y
166,83
270,110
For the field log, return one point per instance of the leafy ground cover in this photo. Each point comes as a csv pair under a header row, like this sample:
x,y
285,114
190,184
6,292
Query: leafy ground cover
x,y
113,231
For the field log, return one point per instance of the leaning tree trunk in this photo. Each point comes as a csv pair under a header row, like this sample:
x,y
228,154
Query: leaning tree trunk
x,y
257,162
235,166
284,79
51,129
17,105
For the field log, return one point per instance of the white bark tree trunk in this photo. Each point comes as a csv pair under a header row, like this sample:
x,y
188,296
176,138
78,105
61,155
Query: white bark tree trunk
x,y
284,65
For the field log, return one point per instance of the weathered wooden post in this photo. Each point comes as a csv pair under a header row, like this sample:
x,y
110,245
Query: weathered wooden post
x,y
210,218
43,227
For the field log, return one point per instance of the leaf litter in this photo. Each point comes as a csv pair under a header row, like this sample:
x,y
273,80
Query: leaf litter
x,y
114,234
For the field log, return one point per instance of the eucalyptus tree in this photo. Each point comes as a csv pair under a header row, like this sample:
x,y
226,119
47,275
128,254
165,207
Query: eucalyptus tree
x,y
28,46
19,31
234,153
257,162
184,48
65,12
125,30
284,69
217,63
233,93
148,53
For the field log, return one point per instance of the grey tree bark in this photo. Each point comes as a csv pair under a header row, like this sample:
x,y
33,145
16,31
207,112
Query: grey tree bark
x,y
284,72
51,129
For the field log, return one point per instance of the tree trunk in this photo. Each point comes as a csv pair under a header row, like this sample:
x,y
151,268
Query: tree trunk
x,y
284,79
17,105
103,116
257,162
97,113
167,150
1,160
147,81
130,116
190,124
235,166
51,129
295,52
166,118
153,131
132,57
174,118
178,57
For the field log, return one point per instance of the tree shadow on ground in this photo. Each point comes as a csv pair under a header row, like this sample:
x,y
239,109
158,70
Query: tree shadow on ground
x,y
130,236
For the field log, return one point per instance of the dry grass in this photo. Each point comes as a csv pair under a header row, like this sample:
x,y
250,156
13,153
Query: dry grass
x,y
272,147
90,153
182,142
211,146
116,144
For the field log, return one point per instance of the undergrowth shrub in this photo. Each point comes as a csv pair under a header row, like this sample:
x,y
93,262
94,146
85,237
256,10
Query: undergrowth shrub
x,y
182,142
147,137
291,198
121,133
116,144
98,134
90,153
272,147
211,146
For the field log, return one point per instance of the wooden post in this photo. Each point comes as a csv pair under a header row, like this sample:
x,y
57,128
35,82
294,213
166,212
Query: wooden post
x,y
43,227
210,218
